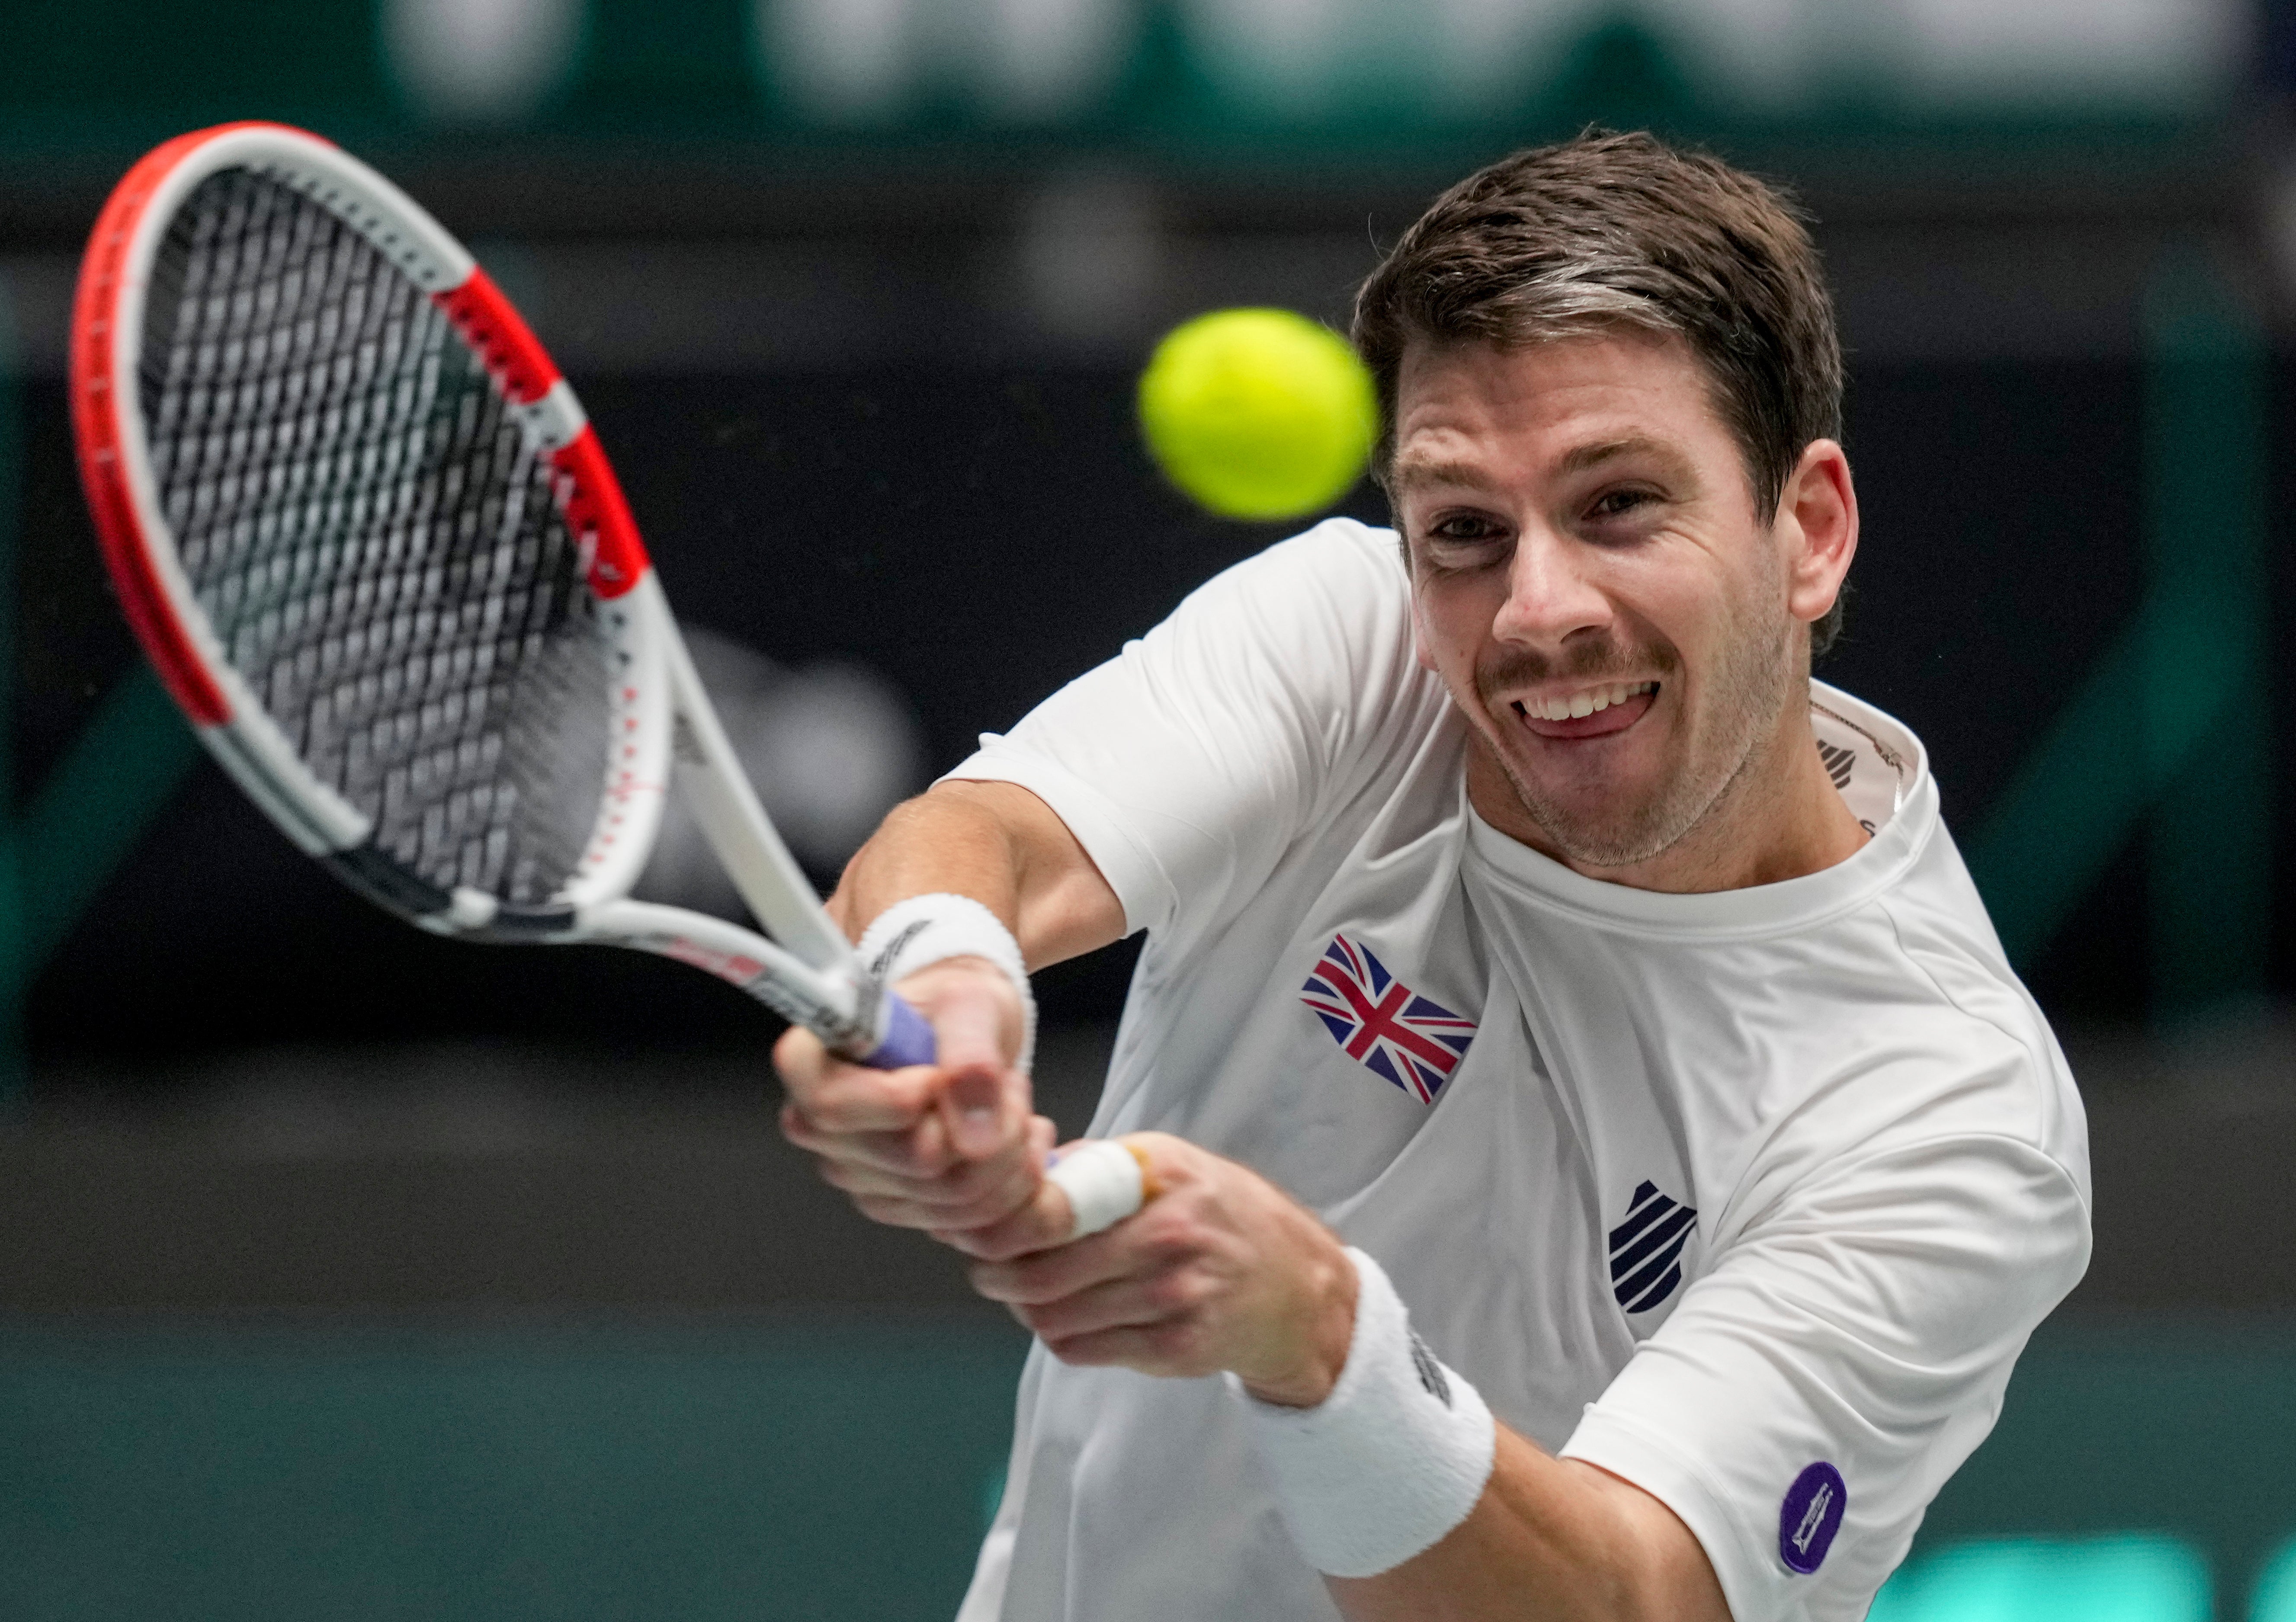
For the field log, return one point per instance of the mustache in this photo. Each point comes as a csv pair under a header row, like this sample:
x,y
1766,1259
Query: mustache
x,y
1595,662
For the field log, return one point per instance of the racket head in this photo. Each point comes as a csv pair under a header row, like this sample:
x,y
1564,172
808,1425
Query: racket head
x,y
366,534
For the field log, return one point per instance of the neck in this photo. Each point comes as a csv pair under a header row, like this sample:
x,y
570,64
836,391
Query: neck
x,y
1779,818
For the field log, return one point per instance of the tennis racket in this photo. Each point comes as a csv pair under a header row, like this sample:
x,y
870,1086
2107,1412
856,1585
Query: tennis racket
x,y
369,541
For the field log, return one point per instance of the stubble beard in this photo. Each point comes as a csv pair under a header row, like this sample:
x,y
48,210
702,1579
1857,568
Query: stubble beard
x,y
1748,693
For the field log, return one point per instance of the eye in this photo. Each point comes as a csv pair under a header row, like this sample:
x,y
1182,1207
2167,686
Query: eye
x,y
1455,542
1618,503
1462,528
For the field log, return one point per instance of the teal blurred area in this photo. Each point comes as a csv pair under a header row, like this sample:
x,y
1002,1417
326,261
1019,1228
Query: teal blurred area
x,y
2138,1474
2111,1578
1184,76
844,1469
818,1470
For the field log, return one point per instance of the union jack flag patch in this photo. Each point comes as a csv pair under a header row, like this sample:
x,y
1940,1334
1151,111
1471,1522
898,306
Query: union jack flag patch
x,y
1383,1025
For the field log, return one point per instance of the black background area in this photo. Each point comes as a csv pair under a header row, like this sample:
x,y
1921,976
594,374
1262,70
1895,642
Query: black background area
x,y
981,537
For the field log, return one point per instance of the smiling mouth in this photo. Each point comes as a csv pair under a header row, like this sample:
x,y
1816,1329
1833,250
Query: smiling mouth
x,y
1590,701
1592,712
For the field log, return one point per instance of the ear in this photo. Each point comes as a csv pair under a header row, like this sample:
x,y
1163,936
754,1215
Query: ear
x,y
1817,528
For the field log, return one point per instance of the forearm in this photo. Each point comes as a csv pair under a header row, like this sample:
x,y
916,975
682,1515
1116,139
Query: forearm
x,y
1549,1538
940,840
998,844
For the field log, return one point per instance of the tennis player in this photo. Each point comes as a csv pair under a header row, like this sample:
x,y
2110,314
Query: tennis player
x,y
1591,1157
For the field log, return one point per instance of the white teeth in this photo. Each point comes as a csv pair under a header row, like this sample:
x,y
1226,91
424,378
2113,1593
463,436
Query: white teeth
x,y
1583,703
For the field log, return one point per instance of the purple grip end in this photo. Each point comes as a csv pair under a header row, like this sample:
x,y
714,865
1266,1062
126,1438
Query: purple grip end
x,y
909,1039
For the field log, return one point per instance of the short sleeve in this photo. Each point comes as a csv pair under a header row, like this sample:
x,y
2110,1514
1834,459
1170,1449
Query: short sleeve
x,y
1187,765
1838,1362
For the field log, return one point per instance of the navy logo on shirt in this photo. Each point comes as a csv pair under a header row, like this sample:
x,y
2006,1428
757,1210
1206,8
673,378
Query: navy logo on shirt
x,y
1646,1249
1810,1515
1412,1042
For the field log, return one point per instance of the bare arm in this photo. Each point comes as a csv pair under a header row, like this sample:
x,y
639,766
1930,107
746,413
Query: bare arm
x,y
998,844
1549,1538
953,1145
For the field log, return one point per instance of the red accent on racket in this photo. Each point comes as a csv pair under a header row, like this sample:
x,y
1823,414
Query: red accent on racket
x,y
500,335
596,512
95,430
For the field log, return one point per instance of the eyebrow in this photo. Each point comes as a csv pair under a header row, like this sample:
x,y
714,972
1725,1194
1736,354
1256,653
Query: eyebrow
x,y
1411,472
1579,458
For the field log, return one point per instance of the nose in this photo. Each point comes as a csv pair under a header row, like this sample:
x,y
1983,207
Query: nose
x,y
1553,592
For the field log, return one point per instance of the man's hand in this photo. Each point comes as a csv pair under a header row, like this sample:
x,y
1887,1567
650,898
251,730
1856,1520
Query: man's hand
x,y
1222,1270
951,1145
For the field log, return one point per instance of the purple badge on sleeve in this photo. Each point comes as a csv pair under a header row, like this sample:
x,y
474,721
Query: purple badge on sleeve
x,y
1810,1517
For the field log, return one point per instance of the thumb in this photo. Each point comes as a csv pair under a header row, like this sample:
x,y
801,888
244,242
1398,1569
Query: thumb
x,y
979,1111
972,1107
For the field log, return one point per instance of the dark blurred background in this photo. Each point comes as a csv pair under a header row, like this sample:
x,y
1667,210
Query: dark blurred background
x,y
347,1272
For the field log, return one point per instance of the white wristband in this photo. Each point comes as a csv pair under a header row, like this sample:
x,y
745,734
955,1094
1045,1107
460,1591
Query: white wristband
x,y
1104,1181
1394,1458
925,930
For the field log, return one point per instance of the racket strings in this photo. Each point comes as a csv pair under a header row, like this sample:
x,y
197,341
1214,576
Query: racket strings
x,y
378,549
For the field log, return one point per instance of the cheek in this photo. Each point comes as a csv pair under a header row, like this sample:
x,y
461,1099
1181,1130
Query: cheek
x,y
1448,624
1422,639
1748,602
1694,606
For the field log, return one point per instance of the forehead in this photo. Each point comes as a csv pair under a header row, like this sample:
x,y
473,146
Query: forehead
x,y
1550,399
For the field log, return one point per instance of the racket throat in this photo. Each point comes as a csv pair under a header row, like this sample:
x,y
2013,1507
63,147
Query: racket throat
x,y
839,1004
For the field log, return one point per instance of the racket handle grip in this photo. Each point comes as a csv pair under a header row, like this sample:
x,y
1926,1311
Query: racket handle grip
x,y
907,1038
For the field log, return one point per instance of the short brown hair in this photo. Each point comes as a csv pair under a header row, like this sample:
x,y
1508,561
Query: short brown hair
x,y
1608,229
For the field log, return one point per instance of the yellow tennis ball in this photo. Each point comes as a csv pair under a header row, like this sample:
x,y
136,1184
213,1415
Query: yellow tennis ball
x,y
1258,413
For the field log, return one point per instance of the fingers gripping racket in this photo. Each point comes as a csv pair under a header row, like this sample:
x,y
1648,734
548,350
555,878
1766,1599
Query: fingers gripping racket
x,y
368,539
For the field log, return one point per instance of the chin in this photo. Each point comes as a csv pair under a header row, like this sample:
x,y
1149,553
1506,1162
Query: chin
x,y
1611,826
1607,846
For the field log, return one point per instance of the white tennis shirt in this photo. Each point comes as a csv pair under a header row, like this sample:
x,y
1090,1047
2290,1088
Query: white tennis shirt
x,y
1751,1198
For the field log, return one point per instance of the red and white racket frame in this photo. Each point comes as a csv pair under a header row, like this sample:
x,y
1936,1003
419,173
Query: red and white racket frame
x,y
660,712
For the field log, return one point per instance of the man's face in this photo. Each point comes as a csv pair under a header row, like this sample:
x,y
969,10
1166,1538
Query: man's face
x,y
1592,583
